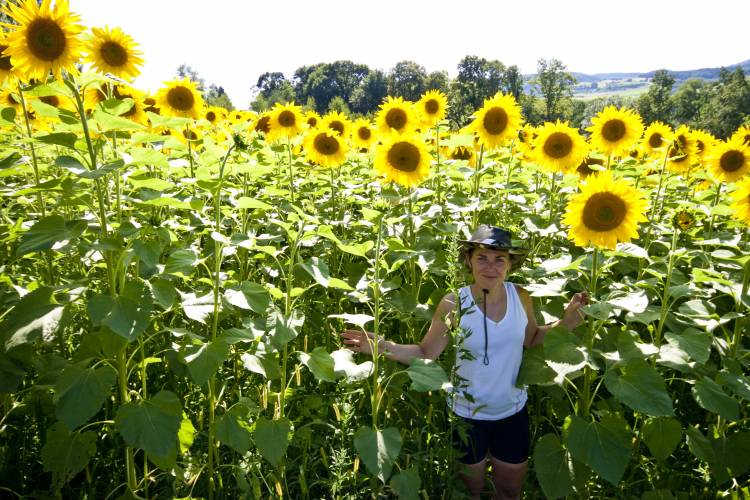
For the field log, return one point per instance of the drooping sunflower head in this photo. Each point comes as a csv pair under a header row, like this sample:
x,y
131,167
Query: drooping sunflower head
x,y
744,134
325,147
396,116
263,123
590,165
656,138
431,108
9,98
46,38
605,211
615,131
497,121
7,71
286,121
363,134
678,159
729,161
465,153
741,204
558,147
180,98
704,143
403,159
114,52
336,121
683,220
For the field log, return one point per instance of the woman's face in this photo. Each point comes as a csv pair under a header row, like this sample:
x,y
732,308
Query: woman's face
x,y
489,267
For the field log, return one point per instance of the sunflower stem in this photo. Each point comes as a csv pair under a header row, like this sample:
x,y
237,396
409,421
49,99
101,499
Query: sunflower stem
x,y
375,392
713,208
190,154
658,189
475,193
665,292
552,193
738,331
438,187
291,172
588,372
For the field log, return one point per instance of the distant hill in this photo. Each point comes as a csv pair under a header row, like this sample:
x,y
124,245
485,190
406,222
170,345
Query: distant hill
x,y
632,84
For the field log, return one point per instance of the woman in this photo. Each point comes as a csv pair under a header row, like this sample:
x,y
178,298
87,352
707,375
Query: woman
x,y
497,321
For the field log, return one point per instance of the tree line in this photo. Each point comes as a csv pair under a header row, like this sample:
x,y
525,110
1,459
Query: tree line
x,y
718,107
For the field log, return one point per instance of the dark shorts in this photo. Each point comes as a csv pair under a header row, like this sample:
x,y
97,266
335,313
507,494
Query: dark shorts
x,y
506,439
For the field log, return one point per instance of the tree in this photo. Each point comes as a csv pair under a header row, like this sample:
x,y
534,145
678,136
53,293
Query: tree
x,y
555,86
407,79
370,94
513,82
216,96
478,79
728,105
272,88
325,81
186,71
688,100
437,80
656,103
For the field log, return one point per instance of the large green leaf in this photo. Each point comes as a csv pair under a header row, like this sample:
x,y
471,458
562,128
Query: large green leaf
x,y
661,435
128,314
699,445
67,139
695,343
233,428
181,262
36,314
344,364
204,360
80,393
534,369
66,454
564,353
406,484
737,383
198,308
732,453
712,397
552,467
151,425
283,329
13,370
50,233
272,438
605,446
427,375
107,122
251,296
320,363
378,449
641,387
262,361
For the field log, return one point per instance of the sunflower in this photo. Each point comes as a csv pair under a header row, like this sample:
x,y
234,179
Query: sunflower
x,y
741,197
615,131
729,161
312,119
114,52
704,142
462,153
396,115
403,159
606,211
325,147
286,121
497,121
9,99
6,66
180,98
656,137
47,38
558,147
214,114
584,168
431,108
363,134
337,122
678,159
683,220
743,133
262,124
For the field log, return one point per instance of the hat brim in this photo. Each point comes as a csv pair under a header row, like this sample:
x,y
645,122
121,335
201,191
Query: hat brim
x,y
517,254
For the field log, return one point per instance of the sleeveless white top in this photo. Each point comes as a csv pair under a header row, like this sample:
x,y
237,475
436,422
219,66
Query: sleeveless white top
x,y
489,392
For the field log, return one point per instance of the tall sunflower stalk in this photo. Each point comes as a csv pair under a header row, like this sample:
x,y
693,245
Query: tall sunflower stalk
x,y
475,187
588,373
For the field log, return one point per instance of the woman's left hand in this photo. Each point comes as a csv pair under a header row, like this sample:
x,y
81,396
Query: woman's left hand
x,y
573,316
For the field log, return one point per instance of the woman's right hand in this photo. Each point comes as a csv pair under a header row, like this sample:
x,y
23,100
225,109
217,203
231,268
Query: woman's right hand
x,y
359,341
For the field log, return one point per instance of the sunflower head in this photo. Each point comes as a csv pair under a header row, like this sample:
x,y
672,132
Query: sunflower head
x,y
114,52
743,133
180,98
656,138
584,169
325,147
286,121
729,161
605,211
214,114
497,121
615,131
312,119
336,121
262,124
363,134
46,39
403,159
704,143
741,204
683,220
558,147
431,108
396,116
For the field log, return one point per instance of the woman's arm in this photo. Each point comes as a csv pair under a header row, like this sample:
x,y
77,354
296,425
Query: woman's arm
x,y
432,345
572,317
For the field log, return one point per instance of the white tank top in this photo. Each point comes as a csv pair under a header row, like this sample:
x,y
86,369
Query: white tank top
x,y
489,392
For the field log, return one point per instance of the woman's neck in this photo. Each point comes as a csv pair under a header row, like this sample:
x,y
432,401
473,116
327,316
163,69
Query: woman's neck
x,y
494,294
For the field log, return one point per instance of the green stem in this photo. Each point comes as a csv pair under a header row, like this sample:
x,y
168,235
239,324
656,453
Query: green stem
x,y
738,332
713,207
34,161
122,372
658,189
475,193
375,393
588,372
291,171
438,185
665,292
552,192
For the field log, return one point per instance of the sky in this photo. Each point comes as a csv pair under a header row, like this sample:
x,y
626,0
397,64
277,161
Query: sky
x,y
231,43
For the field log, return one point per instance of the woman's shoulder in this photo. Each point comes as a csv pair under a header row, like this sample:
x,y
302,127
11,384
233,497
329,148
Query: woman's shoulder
x,y
523,294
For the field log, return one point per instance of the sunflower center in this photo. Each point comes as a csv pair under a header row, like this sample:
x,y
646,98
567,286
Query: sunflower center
x,y
404,156
558,145
613,130
432,107
312,121
211,116
364,133
337,125
263,125
604,212
181,98
5,64
325,144
731,161
45,39
287,118
52,100
114,54
700,146
189,135
495,121
461,153
396,118
655,140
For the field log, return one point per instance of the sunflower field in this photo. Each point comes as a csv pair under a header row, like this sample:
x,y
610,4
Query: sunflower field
x,y
175,279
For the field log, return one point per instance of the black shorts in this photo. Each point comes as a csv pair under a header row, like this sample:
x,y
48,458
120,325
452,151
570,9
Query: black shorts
x,y
506,439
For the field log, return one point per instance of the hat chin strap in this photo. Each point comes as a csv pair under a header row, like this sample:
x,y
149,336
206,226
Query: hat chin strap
x,y
486,359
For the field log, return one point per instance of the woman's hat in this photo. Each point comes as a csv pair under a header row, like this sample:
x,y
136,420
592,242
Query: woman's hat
x,y
494,238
